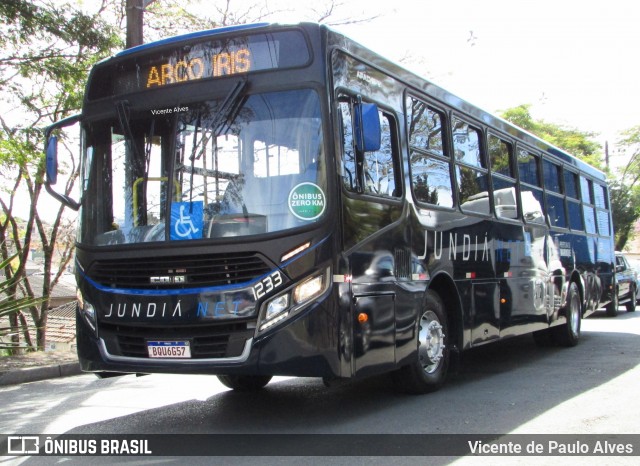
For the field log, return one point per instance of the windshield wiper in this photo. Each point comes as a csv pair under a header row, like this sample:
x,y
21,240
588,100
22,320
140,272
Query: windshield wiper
x,y
224,117
229,108
122,107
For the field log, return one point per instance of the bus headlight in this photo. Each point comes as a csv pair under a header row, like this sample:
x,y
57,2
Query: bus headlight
x,y
309,289
277,306
289,303
87,311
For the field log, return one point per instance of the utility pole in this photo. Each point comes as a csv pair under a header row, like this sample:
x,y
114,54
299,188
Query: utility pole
x,y
135,10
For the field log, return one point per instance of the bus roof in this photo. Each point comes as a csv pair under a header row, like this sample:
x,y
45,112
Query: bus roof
x,y
418,83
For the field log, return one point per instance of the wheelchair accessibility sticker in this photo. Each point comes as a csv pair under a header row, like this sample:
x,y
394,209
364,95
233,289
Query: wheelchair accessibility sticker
x,y
186,220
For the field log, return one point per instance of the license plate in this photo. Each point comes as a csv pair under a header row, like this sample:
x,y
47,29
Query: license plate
x,y
169,349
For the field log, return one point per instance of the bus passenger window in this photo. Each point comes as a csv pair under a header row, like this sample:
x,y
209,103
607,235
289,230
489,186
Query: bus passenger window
x,y
588,210
348,162
430,168
555,210
602,209
600,195
575,216
474,192
471,169
553,184
585,189
532,205
425,127
571,184
531,191
431,180
551,176
503,177
528,168
590,219
466,145
379,168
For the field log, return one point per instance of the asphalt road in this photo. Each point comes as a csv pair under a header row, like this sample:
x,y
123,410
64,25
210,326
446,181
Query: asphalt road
x,y
511,387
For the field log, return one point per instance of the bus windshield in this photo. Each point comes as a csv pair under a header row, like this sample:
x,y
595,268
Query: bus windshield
x,y
233,167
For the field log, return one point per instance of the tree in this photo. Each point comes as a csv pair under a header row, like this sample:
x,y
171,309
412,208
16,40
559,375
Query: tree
x,y
167,17
572,140
46,52
10,307
625,188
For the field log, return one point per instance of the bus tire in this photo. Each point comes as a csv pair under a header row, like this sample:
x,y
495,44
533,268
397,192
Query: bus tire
x,y
245,383
568,333
428,373
612,307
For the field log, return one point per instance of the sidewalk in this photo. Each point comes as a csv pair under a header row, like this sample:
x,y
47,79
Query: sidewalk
x,y
37,366
33,374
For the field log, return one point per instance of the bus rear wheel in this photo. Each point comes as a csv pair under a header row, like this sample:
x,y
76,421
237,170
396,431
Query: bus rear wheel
x,y
244,383
429,371
568,333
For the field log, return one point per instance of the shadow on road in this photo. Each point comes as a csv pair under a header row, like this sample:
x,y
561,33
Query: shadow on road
x,y
497,388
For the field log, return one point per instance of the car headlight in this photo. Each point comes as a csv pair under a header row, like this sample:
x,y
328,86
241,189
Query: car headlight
x,y
291,301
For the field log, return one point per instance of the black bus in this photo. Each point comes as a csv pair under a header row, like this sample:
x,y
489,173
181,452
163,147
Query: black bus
x,y
273,199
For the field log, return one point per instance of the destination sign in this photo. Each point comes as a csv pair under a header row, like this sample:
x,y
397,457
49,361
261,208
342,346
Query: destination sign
x,y
158,68
191,69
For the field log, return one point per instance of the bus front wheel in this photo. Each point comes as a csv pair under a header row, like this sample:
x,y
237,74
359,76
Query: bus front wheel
x,y
244,383
429,372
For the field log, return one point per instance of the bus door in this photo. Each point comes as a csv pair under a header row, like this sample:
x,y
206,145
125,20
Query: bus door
x,y
374,240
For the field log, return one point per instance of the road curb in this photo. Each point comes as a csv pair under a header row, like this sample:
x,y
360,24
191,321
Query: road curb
x,y
33,374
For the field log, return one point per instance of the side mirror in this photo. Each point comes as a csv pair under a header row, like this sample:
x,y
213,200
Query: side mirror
x,y
52,160
367,127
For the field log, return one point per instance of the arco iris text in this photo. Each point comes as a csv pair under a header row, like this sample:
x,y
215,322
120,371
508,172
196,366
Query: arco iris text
x,y
192,69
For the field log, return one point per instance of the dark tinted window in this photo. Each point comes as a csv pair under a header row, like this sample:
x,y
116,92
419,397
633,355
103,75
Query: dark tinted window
x,y
379,169
555,211
551,176
430,167
585,189
425,127
575,216
600,196
571,184
474,192
528,167
500,155
466,144
431,180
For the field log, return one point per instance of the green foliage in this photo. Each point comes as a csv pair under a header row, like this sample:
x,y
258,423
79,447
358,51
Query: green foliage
x,y
46,51
625,189
572,140
625,210
11,306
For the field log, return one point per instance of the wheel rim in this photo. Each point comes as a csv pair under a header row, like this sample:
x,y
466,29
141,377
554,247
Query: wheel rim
x,y
574,318
431,339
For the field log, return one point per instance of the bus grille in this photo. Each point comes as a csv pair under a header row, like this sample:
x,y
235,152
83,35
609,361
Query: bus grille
x,y
206,341
179,272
